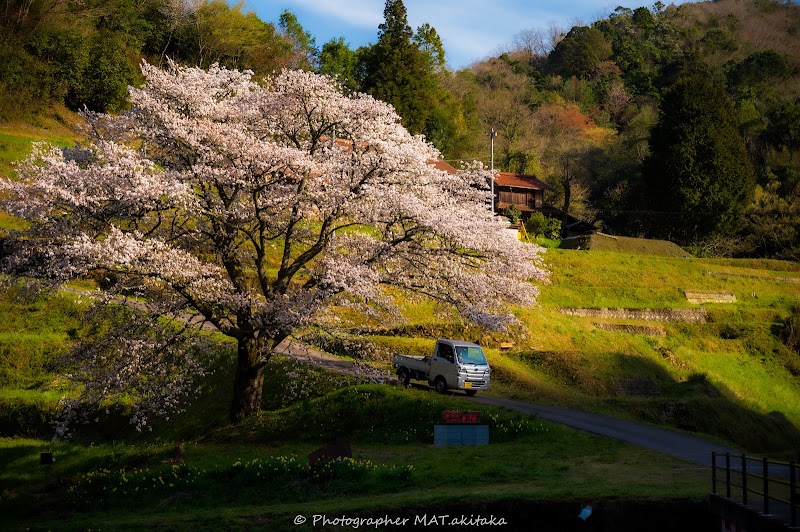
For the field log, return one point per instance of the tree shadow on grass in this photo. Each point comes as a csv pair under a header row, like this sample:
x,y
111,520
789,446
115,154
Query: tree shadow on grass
x,y
639,387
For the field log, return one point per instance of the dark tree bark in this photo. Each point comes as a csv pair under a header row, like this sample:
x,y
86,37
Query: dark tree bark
x,y
248,385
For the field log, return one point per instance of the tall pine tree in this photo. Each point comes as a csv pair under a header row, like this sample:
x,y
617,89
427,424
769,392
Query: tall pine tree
x,y
398,72
699,176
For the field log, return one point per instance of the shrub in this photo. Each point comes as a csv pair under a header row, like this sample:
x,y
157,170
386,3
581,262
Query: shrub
x,y
539,225
373,413
512,213
790,334
734,331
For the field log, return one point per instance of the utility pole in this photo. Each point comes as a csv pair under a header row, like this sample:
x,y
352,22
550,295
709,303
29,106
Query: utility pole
x,y
492,135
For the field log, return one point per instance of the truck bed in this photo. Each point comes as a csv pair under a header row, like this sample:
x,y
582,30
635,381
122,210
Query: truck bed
x,y
412,362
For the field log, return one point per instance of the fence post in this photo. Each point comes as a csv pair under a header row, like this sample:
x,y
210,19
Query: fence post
x,y
793,502
728,475
714,472
766,486
744,479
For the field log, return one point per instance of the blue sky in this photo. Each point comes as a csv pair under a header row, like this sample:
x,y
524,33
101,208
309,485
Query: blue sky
x,y
470,29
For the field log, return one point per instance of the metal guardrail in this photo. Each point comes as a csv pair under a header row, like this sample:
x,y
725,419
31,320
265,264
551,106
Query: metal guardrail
x,y
775,495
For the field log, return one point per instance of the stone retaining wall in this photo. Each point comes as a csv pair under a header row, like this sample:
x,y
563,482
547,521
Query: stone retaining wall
x,y
649,330
709,297
698,315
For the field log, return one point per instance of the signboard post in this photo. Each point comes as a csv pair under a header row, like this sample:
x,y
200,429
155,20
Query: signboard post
x,y
460,428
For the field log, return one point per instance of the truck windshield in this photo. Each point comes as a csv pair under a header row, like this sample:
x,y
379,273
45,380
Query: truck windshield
x,y
470,355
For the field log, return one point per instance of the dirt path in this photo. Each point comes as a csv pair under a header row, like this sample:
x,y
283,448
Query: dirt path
x,y
303,353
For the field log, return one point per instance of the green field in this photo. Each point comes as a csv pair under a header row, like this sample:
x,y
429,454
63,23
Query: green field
x,y
15,139
243,476
730,378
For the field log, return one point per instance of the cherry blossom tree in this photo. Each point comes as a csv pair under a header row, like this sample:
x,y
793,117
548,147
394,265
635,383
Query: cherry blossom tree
x,y
259,206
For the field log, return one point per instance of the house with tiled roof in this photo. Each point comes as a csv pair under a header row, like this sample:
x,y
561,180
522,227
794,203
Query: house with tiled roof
x,y
443,166
526,192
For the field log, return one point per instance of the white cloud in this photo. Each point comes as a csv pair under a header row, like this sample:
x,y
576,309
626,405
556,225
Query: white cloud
x,y
473,29
359,13
470,29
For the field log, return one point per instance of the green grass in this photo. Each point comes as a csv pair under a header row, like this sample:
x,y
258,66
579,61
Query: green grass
x,y
260,467
608,279
730,378
15,143
34,329
622,244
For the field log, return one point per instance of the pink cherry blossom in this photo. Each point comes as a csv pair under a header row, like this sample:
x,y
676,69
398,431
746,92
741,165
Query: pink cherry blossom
x,y
257,206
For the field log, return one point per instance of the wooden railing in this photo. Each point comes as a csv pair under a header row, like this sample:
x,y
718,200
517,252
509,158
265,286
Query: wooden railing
x,y
773,484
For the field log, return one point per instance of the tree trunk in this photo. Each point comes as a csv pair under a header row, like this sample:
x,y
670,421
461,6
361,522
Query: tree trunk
x,y
248,384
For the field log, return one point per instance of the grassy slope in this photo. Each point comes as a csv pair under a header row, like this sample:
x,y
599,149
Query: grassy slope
x,y
734,362
729,378
58,127
623,244
15,144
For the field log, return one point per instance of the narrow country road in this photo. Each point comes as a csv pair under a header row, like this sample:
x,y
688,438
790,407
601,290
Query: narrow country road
x,y
303,353
671,443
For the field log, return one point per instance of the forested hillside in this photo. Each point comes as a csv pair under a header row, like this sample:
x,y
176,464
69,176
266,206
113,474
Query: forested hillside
x,y
86,53
672,122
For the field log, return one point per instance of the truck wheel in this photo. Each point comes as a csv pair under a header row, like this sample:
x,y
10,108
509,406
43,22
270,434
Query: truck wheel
x,y
470,393
403,376
441,385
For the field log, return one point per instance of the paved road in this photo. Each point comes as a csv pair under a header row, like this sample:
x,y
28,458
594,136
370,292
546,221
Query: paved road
x,y
671,443
679,445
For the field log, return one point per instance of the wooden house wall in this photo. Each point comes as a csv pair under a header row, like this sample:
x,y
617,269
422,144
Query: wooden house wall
x,y
532,199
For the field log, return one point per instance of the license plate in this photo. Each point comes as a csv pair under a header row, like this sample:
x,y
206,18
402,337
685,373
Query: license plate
x,y
467,385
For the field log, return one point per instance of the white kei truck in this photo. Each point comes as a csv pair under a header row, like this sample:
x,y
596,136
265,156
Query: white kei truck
x,y
454,364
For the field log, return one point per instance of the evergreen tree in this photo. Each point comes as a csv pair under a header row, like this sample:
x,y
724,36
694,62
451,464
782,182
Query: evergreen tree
x,y
398,72
427,39
580,53
336,59
698,176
